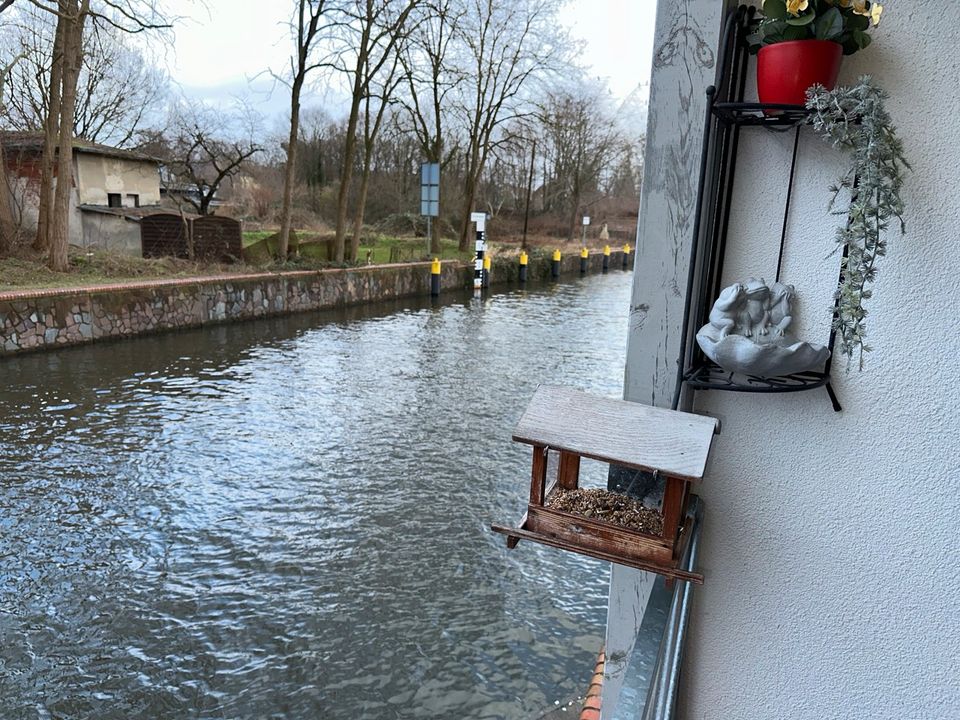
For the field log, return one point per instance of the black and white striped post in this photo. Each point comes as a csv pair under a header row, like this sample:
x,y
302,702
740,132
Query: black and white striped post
x,y
480,219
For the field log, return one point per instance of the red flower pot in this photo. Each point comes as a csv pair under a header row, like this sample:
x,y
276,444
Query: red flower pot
x,y
785,70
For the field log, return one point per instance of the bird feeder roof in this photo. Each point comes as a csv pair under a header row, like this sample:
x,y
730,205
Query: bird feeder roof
x,y
616,431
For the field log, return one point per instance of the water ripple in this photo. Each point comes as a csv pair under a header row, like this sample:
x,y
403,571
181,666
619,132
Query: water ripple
x,y
289,518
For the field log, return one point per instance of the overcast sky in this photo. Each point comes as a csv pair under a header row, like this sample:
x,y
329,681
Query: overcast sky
x,y
221,47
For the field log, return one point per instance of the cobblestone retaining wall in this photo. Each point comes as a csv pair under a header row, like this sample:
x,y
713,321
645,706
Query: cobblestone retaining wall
x,y
41,319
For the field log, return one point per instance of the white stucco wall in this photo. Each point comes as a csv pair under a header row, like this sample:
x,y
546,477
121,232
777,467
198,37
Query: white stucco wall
x,y
830,542
98,175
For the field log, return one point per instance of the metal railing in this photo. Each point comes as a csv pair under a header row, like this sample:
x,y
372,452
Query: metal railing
x,y
661,701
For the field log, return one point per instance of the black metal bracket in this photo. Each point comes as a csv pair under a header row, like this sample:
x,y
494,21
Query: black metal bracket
x,y
726,115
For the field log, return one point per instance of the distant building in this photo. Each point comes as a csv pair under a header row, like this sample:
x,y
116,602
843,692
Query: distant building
x,y
176,194
113,189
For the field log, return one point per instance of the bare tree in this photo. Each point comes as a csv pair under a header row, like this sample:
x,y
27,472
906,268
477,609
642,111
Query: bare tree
x,y
583,143
430,80
317,154
132,16
505,46
116,88
375,104
207,148
73,15
51,135
370,35
9,228
313,18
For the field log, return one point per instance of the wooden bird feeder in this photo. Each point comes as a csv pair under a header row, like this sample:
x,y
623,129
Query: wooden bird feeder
x,y
673,445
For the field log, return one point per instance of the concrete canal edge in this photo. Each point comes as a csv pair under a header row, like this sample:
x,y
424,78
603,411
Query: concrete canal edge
x,y
32,320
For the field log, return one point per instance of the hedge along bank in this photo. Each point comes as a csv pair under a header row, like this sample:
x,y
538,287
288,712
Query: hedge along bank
x,y
33,320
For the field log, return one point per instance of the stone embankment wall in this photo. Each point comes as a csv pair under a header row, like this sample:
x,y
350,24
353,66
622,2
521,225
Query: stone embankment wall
x,y
42,319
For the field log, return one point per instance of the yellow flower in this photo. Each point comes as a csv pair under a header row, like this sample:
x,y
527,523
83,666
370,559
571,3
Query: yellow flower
x,y
795,7
876,10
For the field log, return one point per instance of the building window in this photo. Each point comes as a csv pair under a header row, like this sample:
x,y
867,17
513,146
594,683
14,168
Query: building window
x,y
113,200
133,200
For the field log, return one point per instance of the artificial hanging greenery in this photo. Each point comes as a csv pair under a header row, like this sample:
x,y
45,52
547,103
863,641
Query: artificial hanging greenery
x,y
854,119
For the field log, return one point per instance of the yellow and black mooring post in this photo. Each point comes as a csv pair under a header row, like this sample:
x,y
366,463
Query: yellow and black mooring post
x,y
523,266
435,277
606,258
555,265
584,257
626,256
486,270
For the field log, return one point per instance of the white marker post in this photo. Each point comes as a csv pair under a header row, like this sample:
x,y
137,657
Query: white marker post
x,y
481,221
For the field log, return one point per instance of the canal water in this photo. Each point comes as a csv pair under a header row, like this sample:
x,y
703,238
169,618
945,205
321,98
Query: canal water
x,y
289,518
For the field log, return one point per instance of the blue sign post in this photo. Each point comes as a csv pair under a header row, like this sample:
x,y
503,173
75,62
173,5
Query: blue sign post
x,y
429,194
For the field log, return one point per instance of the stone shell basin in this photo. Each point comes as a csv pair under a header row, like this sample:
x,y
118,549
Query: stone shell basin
x,y
770,357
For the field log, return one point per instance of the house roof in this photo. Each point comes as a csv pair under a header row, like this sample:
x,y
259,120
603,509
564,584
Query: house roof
x,y
33,142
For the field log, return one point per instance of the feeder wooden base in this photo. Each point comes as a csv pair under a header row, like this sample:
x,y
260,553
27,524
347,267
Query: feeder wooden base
x,y
603,542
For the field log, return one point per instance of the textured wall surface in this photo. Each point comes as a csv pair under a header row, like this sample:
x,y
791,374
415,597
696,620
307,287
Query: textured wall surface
x,y
109,232
43,319
98,175
830,540
684,64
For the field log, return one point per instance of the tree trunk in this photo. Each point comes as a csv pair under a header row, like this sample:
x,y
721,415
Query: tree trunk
x,y
51,133
436,249
470,195
9,229
573,217
361,204
60,222
8,226
346,177
283,247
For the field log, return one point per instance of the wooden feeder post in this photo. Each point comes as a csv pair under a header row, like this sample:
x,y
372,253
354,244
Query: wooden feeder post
x,y
573,425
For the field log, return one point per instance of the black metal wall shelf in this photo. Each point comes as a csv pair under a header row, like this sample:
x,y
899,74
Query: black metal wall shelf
x,y
726,115
710,376
758,114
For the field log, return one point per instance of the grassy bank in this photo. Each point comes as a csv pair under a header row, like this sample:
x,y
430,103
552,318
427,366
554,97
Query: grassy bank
x,y
378,247
96,268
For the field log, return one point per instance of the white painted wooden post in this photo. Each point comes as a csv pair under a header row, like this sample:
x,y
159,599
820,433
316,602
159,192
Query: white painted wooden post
x,y
481,246
684,64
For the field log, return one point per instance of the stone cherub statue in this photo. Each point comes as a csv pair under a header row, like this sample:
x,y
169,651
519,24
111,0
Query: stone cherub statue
x,y
748,332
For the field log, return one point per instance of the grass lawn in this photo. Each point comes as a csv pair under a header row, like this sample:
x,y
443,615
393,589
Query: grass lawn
x,y
21,273
385,249
101,268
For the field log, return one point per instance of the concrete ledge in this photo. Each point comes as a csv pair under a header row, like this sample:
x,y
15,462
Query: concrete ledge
x,y
33,320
